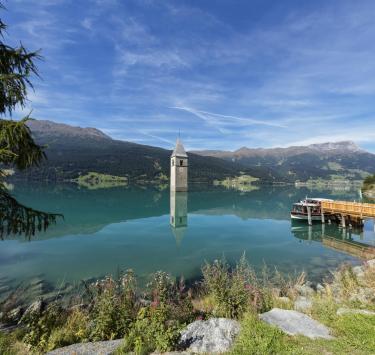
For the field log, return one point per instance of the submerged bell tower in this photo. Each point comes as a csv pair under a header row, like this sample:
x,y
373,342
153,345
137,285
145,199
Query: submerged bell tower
x,y
179,168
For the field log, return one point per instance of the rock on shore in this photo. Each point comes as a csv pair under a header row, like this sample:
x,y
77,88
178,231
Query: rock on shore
x,y
215,335
97,348
212,336
296,323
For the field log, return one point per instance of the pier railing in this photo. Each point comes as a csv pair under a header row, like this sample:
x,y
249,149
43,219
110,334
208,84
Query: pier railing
x,y
363,210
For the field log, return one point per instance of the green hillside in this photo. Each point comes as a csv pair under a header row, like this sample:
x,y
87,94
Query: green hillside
x,y
74,152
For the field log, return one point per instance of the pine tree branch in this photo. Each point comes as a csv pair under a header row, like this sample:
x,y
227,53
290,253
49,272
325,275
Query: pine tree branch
x,y
16,218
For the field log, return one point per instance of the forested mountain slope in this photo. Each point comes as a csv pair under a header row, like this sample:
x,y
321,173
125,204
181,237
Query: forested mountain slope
x,y
74,151
327,161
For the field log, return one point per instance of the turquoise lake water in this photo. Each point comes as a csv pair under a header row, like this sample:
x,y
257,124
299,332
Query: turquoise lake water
x,y
107,230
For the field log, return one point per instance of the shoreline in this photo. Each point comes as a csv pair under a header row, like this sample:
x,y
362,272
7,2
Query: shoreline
x,y
207,298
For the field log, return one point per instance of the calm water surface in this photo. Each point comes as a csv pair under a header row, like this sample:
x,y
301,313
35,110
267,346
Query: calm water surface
x,y
119,228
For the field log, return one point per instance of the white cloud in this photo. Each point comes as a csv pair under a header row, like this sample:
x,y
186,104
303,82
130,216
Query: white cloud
x,y
304,77
220,119
87,23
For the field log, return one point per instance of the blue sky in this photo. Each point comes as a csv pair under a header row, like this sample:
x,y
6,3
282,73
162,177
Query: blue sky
x,y
256,73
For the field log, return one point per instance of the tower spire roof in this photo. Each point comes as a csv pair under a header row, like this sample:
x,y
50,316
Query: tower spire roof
x,y
179,150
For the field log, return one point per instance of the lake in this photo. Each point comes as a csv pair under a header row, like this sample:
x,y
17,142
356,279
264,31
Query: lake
x,y
107,230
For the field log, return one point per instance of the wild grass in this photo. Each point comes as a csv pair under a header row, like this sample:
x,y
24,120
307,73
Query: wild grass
x,y
230,292
10,345
354,334
257,337
151,319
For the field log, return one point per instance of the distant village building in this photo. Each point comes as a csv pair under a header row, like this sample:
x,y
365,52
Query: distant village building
x,y
179,168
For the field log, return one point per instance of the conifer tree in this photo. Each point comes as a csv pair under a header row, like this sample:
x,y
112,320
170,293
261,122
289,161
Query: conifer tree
x,y
17,147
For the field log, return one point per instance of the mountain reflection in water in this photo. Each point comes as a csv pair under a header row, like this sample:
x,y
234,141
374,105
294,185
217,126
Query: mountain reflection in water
x,y
88,211
107,230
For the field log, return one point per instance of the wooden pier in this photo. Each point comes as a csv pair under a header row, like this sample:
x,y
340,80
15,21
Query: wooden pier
x,y
347,213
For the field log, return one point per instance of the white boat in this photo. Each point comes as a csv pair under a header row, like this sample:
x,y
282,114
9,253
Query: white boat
x,y
300,209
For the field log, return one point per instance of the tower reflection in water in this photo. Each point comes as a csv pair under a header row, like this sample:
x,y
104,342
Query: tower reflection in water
x,y
178,214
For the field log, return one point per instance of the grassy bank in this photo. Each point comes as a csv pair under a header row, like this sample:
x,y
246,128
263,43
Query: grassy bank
x,y
95,180
240,183
151,319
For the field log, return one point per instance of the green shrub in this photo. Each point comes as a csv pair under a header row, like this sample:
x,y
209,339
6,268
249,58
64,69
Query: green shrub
x,y
6,342
105,316
11,344
324,309
115,307
39,325
164,290
162,287
233,291
153,330
75,330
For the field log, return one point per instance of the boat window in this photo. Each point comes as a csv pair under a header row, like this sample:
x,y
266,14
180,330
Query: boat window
x,y
297,208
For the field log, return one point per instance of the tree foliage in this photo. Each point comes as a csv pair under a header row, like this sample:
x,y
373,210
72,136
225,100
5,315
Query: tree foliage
x,y
16,67
17,147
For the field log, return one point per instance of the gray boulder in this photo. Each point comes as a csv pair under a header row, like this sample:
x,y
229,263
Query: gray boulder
x,y
296,323
215,335
342,311
97,348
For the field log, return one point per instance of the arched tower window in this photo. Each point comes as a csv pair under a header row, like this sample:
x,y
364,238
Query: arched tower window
x,y
181,162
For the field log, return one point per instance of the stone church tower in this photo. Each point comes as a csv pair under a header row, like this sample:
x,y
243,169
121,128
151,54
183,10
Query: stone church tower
x,y
179,168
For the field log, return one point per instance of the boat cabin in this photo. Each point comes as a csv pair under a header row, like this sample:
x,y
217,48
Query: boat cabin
x,y
300,209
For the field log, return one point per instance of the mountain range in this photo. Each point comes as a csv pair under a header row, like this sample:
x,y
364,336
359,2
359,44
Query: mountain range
x,y
326,160
74,151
